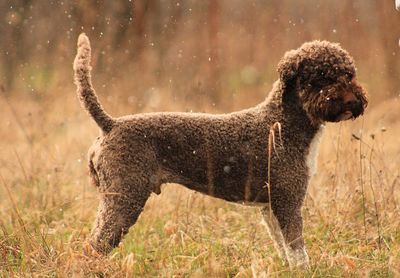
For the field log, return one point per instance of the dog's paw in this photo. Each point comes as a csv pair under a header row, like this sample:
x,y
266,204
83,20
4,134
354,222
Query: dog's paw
x,y
298,259
89,251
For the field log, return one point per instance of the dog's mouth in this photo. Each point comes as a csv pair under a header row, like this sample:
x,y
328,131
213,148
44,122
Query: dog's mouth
x,y
351,111
347,115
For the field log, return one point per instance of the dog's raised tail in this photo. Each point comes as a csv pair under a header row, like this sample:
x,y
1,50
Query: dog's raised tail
x,y
85,90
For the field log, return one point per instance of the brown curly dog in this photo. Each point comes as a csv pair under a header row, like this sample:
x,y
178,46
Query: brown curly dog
x,y
227,155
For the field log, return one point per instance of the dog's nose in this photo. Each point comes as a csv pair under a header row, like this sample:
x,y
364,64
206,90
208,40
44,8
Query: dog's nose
x,y
352,103
355,106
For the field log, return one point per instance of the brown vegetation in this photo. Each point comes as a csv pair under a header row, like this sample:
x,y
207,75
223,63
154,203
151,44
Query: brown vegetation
x,y
180,56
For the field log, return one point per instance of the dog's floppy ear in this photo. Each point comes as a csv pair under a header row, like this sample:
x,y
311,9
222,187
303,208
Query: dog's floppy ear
x,y
288,67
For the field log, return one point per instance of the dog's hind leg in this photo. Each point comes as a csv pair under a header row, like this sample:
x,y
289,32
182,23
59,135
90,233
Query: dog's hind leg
x,y
125,184
115,215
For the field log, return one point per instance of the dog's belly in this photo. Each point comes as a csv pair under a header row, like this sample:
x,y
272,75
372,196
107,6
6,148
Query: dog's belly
x,y
230,180
228,172
243,178
231,191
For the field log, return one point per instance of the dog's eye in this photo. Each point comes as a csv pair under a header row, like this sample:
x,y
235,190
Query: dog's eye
x,y
324,82
349,75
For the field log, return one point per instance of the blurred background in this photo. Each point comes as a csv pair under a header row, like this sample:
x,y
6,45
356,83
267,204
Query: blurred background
x,y
203,56
214,53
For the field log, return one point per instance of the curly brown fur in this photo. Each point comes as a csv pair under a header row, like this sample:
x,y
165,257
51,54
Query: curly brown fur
x,y
223,155
86,92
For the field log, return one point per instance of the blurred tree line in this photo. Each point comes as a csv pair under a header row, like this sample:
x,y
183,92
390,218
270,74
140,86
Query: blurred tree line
x,y
212,48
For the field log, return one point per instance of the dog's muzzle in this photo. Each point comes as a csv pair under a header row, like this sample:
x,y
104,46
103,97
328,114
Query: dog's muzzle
x,y
351,110
355,107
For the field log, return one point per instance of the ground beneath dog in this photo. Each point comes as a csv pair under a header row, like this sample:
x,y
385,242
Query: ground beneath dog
x,y
47,206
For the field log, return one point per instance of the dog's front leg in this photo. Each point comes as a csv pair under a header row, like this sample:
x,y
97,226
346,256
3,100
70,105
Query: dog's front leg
x,y
291,223
274,230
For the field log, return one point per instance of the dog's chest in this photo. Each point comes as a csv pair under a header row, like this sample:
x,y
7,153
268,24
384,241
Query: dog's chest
x,y
312,155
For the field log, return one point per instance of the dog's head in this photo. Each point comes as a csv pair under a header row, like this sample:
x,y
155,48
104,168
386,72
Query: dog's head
x,y
323,77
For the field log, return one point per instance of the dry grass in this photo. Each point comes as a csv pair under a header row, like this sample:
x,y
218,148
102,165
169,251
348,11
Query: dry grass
x,y
47,207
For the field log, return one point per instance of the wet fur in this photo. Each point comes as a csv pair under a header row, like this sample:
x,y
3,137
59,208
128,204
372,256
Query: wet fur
x,y
225,155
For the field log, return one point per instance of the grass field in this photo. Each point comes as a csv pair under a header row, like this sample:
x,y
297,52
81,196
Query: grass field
x,y
352,210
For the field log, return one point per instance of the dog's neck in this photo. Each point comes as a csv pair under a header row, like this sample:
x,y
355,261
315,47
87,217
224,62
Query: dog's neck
x,y
285,103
